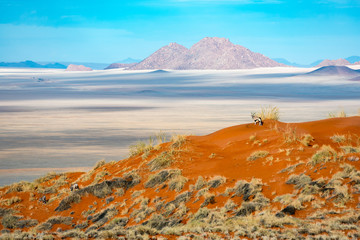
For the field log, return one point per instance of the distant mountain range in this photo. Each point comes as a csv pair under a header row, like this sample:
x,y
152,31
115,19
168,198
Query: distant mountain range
x,y
322,62
31,64
208,53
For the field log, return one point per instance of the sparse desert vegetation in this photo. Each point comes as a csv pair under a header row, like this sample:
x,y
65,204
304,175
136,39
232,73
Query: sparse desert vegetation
x,y
269,112
340,114
257,155
183,190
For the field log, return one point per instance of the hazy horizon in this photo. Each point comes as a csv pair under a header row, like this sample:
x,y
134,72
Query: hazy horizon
x,y
299,31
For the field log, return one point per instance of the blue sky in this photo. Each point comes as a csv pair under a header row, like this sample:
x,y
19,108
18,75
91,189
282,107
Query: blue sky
x,y
301,31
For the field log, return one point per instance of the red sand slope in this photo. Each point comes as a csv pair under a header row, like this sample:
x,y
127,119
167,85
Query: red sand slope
x,y
222,155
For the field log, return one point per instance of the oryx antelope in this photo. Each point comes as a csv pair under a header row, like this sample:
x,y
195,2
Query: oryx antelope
x,y
73,187
43,199
256,119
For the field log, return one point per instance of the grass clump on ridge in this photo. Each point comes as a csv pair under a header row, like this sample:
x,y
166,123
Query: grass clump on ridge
x,y
163,160
325,154
178,140
141,147
340,114
269,112
257,155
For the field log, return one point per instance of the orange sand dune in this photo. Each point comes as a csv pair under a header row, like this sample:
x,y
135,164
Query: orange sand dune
x,y
281,179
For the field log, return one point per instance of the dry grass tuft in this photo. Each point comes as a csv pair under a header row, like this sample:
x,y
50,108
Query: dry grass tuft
x,y
178,140
161,177
338,138
163,160
177,183
141,147
350,149
325,154
99,164
290,135
306,140
46,178
269,112
257,155
22,186
200,183
216,181
11,201
340,114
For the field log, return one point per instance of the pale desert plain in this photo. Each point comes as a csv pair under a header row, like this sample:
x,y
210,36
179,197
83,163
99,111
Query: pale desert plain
x,y
53,120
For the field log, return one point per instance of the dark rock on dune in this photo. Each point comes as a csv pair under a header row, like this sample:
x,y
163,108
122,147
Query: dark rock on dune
x,y
289,210
208,53
334,71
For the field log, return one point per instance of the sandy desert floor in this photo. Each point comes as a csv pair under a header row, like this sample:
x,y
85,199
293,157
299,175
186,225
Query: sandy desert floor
x,y
57,120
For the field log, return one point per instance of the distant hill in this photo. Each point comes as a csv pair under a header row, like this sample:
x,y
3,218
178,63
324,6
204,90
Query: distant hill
x,y
335,71
129,60
31,64
126,63
73,67
208,53
353,59
337,62
119,65
286,62
92,65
